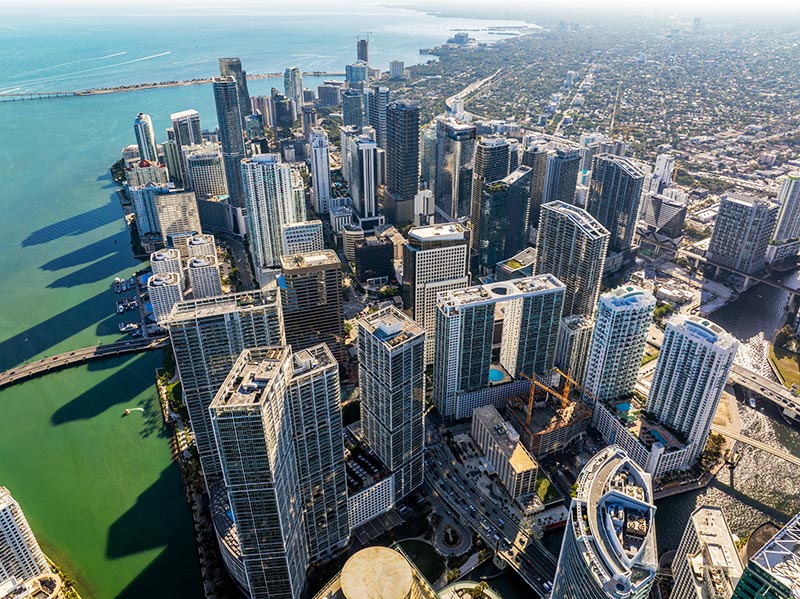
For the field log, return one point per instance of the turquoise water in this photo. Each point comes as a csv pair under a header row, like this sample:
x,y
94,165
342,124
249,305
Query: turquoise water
x,y
495,375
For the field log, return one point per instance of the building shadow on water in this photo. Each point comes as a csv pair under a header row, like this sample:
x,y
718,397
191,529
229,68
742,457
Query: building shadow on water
x,y
159,518
86,254
771,512
77,224
96,271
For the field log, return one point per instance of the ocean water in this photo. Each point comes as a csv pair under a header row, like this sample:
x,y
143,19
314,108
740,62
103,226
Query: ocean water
x,y
99,489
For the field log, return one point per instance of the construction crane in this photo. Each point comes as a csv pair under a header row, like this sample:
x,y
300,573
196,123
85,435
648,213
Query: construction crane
x,y
563,395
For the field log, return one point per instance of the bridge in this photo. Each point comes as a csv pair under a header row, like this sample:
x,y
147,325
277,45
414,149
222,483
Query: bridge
x,y
748,278
768,389
19,96
31,370
792,459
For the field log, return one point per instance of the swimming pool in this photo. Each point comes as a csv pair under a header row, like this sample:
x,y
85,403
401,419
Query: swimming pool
x,y
495,375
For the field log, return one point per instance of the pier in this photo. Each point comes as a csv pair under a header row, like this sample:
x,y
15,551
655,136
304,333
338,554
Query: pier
x,y
20,96
31,370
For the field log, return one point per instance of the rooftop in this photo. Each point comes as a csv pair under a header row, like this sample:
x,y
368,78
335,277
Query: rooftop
x,y
167,254
579,217
201,261
500,291
309,260
628,296
391,326
780,557
438,232
505,437
223,304
717,562
701,329
524,258
164,278
252,373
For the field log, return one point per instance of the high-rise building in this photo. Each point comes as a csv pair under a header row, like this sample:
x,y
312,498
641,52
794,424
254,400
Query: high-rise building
x,y
293,86
143,172
377,101
706,564
615,191
561,178
662,174
145,137
20,555
774,571
311,300
165,290
261,105
302,237
320,170
167,260
466,320
252,425
374,258
283,110
177,214
205,171
143,201
391,369
402,160
455,151
186,131
424,208
203,275
360,167
491,164
231,135
609,548
207,337
742,232
362,49
785,241
201,245
435,259
329,94
269,201
397,69
623,318
309,119
353,108
232,67
692,369
504,209
663,215
574,344
356,75
572,245
535,156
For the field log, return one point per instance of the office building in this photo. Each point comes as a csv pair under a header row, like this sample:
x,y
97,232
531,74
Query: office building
x,y
165,290
609,548
145,137
435,259
503,220
360,169
269,201
535,156
623,319
187,131
615,191
172,158
374,259
20,555
143,202
742,232
320,171
252,425
203,276
774,571
377,101
231,135
283,109
402,160
692,369
177,214
302,237
205,171
356,75
491,164
391,371
329,95
561,177
138,174
785,241
309,120
455,151
572,245
353,108
499,442
663,215
207,336
466,322
661,178
166,260
261,105
706,564
293,87
574,344
397,69
424,208
362,49
352,234
232,67
311,300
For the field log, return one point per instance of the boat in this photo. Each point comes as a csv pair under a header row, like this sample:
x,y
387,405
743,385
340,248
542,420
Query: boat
x,y
117,285
120,307
131,283
127,412
123,286
128,327
752,402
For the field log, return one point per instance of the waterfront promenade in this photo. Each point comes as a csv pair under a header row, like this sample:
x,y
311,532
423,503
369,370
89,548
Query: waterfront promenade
x,y
79,356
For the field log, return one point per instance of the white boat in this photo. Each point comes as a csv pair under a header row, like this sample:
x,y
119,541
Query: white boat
x,y
752,402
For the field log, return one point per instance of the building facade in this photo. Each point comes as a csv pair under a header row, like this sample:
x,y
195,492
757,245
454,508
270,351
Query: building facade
x,y
302,237
320,171
402,160
20,554
231,135
615,191
165,290
455,151
203,275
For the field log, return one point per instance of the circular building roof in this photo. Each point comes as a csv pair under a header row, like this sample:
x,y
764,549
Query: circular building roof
x,y
376,573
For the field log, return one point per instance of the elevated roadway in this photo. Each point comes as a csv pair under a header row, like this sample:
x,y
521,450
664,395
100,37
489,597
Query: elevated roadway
x,y
779,453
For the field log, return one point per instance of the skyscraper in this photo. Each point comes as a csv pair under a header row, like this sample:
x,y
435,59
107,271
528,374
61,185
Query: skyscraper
x,y
742,232
772,573
353,108
574,344
692,369
143,201
609,548
623,319
504,209
377,101
231,136
391,371
535,156
309,118
362,49
786,239
572,245
311,300
205,171
177,214
706,563
615,191
530,310
293,87
201,245
20,554
356,75
187,131
268,197
252,424
455,151
302,237
203,274
145,137
491,164
207,337
435,259
165,290
397,69
561,178
320,170
402,160
232,67
167,260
